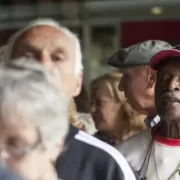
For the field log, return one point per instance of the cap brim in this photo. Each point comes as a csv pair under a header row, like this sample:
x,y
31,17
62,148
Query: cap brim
x,y
119,60
161,56
114,60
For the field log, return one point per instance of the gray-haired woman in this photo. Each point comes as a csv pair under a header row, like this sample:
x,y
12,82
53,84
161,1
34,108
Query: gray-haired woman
x,y
33,119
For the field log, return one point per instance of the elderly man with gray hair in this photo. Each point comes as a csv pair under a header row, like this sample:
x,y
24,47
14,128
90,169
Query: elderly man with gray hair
x,y
33,119
58,49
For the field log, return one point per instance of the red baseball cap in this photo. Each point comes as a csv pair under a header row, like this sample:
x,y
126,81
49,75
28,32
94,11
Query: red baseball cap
x,y
158,58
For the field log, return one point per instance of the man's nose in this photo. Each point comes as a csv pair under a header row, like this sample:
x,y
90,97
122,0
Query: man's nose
x,y
93,108
45,59
174,84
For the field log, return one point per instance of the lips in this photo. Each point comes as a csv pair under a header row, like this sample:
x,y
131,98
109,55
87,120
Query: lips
x,y
175,100
169,101
171,97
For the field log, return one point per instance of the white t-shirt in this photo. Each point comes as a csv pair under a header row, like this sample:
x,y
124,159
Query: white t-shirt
x,y
164,156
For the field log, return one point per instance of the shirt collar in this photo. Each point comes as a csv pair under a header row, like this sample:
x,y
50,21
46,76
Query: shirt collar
x,y
151,121
164,140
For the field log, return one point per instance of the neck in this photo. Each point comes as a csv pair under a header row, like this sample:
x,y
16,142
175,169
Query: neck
x,y
113,135
151,111
170,130
150,105
116,135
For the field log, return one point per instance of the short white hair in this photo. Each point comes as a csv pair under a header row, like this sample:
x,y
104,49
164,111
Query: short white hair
x,y
26,87
53,23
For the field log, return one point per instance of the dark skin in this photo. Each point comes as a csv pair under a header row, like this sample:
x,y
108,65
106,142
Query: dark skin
x,y
167,98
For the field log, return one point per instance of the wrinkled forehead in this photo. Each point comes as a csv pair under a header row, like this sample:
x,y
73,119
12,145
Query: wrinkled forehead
x,y
41,30
134,70
41,35
170,65
16,123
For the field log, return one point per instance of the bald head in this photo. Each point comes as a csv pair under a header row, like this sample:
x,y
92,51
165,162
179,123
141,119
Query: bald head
x,y
47,44
50,23
55,47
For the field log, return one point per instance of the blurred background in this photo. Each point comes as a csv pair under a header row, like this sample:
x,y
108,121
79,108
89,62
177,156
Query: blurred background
x,y
103,26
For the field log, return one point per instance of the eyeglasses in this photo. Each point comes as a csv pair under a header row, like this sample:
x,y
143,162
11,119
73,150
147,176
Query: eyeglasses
x,y
17,152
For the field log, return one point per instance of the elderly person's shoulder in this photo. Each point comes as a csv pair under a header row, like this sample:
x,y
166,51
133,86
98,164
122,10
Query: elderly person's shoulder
x,y
134,148
94,159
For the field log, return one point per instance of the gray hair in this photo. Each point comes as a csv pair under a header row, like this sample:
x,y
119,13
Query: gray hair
x,y
27,87
53,23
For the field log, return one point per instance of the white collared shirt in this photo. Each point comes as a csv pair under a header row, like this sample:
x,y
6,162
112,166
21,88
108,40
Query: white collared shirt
x,y
164,157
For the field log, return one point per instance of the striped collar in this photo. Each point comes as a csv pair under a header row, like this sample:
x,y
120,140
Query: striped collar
x,y
164,140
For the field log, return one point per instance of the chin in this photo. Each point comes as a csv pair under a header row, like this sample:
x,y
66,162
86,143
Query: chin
x,y
133,105
169,117
137,108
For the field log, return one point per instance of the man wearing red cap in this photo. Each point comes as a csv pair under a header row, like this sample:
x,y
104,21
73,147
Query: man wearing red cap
x,y
155,153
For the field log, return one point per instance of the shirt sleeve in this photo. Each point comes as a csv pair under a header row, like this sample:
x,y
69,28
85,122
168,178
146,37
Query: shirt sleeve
x,y
119,171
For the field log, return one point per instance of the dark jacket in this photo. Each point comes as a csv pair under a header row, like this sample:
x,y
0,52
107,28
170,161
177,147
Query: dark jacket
x,y
87,158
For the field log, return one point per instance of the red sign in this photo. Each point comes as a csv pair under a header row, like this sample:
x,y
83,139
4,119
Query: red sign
x,y
135,32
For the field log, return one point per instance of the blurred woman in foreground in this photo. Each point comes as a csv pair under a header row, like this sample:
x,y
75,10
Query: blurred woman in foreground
x,y
113,116
33,119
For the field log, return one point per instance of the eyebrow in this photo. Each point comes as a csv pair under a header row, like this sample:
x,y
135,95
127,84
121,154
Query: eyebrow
x,y
29,47
60,50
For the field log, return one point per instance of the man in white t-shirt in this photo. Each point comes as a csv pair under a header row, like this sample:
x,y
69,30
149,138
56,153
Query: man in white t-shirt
x,y
155,153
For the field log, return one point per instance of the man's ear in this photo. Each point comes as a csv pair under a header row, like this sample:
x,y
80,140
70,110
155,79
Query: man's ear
x,y
151,80
79,80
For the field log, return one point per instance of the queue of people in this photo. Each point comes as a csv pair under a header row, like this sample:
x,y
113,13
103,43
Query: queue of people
x,y
130,132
